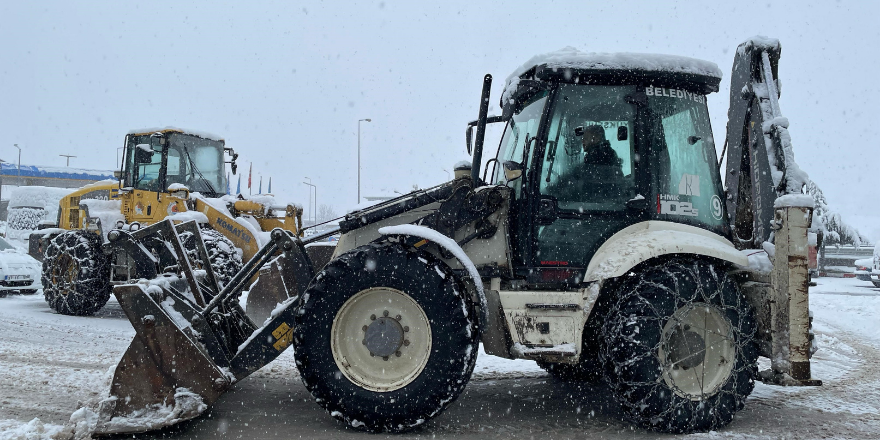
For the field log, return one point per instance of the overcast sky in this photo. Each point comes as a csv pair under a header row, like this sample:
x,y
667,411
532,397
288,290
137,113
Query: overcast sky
x,y
285,83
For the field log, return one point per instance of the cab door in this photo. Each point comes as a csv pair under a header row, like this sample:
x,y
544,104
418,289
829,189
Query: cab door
x,y
584,192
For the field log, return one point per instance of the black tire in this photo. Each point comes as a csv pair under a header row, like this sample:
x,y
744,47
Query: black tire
x,y
76,274
448,310
634,333
875,283
225,259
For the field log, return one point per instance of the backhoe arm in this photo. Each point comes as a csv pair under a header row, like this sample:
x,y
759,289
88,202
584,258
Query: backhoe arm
x,y
760,161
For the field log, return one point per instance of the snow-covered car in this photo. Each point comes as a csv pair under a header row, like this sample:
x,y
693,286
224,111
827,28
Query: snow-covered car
x,y
18,270
875,266
864,268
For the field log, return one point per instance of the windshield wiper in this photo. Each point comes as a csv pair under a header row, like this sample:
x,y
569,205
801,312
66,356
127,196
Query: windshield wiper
x,y
199,173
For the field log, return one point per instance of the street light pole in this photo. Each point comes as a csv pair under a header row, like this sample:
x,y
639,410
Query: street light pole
x,y
310,199
68,158
359,159
19,163
1,179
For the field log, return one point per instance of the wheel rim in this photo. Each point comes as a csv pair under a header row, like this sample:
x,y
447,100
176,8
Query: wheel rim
x,y
381,339
64,273
697,351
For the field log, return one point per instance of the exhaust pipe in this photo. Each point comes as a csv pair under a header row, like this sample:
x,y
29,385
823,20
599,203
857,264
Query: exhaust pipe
x,y
481,129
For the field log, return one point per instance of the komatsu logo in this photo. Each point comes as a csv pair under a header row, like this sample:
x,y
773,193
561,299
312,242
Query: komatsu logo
x,y
234,230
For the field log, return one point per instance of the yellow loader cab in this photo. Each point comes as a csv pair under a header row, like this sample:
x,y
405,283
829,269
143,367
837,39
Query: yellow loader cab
x,y
166,174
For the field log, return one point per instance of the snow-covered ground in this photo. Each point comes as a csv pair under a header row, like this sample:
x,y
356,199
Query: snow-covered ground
x,y
49,363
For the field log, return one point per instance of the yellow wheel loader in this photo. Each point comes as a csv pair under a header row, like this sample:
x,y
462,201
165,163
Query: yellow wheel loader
x,y
166,174
599,242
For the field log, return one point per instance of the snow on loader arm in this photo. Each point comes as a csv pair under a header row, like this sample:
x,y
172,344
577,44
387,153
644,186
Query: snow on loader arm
x,y
193,340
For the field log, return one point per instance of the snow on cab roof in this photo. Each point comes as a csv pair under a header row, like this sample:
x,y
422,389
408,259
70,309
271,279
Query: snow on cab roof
x,y
201,134
572,58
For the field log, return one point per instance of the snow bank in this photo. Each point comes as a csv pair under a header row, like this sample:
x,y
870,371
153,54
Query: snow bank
x,y
572,58
33,430
37,197
31,205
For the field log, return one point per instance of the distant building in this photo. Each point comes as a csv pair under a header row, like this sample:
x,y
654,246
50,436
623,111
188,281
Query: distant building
x,y
57,177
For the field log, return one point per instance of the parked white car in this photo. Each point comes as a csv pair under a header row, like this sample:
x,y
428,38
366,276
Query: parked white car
x,y
18,270
864,268
875,272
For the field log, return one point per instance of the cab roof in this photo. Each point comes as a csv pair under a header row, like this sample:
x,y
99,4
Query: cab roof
x,y
573,66
168,130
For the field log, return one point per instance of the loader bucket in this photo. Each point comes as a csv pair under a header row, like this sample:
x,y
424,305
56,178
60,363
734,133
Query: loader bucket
x,y
168,374
192,342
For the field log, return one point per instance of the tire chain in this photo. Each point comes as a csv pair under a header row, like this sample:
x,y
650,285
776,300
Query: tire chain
x,y
616,327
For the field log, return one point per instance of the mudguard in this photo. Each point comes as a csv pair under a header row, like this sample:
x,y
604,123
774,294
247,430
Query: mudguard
x,y
643,241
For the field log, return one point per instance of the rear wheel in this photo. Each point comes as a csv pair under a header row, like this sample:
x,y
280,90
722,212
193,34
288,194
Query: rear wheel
x,y
384,339
680,355
76,275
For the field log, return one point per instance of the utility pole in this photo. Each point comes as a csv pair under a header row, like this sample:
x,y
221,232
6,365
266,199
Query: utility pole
x,y
68,158
359,159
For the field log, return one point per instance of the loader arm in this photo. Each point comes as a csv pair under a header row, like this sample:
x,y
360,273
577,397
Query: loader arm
x,y
241,236
760,161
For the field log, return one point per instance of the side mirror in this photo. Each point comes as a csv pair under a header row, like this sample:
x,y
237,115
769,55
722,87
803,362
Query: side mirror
x,y
143,153
512,170
117,174
469,133
622,133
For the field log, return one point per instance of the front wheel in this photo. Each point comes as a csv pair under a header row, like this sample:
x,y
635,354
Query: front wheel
x,y
385,338
76,274
679,353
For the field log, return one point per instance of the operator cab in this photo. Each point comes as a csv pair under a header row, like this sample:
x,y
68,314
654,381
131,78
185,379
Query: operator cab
x,y
605,141
156,160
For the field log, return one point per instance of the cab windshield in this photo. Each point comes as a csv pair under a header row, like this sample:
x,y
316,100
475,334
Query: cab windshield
x,y
189,160
687,184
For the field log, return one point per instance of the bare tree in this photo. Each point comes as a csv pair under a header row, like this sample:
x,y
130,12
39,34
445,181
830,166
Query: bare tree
x,y
326,212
